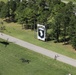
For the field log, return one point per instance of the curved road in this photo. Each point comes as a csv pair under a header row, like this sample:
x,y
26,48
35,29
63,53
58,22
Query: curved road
x,y
40,50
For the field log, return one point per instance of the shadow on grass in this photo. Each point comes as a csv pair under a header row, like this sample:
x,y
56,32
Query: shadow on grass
x,y
4,43
25,60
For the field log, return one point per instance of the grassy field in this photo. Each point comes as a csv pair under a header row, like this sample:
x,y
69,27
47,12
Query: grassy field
x,y
11,62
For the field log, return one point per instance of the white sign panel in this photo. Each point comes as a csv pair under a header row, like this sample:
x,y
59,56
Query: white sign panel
x,y
41,32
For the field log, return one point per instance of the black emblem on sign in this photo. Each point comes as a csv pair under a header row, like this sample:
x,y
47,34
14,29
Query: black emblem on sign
x,y
41,33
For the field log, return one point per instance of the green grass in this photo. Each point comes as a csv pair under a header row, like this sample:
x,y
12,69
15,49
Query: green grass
x,y
16,30
11,64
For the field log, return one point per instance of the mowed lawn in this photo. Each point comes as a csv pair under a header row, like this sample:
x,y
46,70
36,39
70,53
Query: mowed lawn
x,y
16,30
12,63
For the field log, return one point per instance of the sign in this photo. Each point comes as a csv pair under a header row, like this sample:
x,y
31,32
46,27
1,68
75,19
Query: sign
x,y
41,32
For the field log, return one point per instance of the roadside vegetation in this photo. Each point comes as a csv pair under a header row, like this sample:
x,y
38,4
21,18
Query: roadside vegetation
x,y
16,60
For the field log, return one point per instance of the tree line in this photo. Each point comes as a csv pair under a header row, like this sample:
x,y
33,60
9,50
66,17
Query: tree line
x,y
59,18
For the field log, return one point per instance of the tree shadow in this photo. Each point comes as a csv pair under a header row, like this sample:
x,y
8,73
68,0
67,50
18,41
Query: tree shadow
x,y
4,43
9,20
65,41
25,60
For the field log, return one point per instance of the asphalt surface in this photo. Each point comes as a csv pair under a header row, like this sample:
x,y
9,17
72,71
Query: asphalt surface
x,y
40,50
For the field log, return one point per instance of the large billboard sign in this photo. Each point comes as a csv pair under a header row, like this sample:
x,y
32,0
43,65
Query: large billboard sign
x,y
41,32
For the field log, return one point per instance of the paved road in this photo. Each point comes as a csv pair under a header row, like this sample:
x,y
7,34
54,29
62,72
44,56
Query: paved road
x,y
40,50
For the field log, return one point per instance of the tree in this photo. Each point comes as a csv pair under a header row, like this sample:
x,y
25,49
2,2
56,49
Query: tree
x,y
57,20
1,5
57,27
74,42
5,11
72,31
12,9
67,13
19,13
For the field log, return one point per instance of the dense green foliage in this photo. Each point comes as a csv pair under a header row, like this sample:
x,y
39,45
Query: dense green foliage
x,y
58,17
11,62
